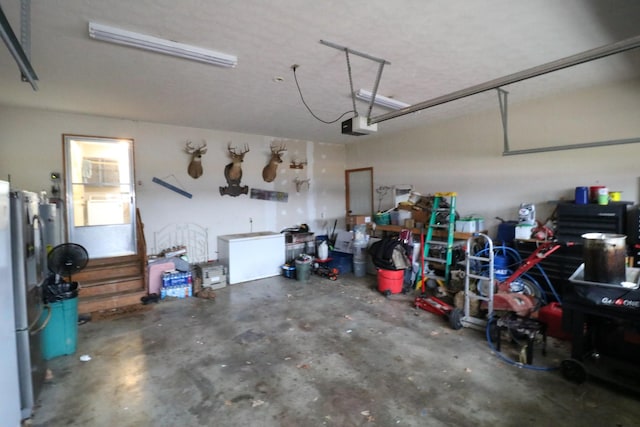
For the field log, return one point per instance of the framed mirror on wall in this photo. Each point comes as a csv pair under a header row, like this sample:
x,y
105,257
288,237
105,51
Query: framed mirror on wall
x,y
100,194
359,191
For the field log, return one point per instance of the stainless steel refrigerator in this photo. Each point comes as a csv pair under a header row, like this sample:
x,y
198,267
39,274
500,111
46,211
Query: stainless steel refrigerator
x,y
28,263
9,387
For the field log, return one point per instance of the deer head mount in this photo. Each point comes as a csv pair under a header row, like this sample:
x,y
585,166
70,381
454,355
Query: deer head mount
x,y
269,172
195,167
233,172
301,183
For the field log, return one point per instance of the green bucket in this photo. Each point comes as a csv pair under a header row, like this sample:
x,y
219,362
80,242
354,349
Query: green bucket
x,y
382,218
303,269
60,335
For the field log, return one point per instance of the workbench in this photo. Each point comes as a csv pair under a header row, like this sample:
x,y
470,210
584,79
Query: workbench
x,y
458,235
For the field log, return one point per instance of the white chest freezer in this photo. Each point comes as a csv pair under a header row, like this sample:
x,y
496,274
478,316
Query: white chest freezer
x,y
251,256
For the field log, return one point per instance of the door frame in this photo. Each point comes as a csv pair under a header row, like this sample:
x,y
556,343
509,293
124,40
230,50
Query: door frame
x,y
128,231
347,174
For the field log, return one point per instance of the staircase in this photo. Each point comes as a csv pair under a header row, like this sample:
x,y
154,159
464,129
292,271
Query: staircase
x,y
112,283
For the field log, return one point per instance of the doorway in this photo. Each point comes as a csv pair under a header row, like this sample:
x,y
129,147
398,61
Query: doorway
x,y
359,183
100,195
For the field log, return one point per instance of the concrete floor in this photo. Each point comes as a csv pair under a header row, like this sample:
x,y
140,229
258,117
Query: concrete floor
x,y
277,352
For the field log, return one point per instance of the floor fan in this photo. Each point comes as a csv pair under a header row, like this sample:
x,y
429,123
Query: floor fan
x,y
64,260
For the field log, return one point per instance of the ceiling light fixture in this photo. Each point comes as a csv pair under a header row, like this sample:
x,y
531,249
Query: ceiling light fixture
x,y
155,44
380,100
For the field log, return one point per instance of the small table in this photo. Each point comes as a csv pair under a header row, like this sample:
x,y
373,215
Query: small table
x,y
523,327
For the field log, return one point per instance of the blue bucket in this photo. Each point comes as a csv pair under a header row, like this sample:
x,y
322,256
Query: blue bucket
x,y
60,335
501,267
289,271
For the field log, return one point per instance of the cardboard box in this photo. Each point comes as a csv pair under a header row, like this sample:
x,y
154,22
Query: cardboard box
x,y
421,216
344,242
358,219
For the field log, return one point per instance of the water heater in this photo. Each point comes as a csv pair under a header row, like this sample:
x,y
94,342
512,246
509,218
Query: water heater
x,y
51,225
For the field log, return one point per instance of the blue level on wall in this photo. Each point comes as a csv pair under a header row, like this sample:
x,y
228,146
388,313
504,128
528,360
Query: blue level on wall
x,y
171,187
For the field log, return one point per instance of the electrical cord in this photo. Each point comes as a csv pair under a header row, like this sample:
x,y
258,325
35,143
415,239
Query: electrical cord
x,y
553,290
295,76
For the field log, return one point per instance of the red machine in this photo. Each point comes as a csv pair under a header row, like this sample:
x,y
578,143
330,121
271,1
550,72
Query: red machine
x,y
523,304
437,306
520,303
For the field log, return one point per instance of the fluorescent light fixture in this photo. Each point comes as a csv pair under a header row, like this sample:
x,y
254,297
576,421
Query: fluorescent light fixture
x,y
380,100
155,44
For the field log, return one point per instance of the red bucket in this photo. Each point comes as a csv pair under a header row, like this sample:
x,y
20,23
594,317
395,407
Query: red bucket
x,y
390,281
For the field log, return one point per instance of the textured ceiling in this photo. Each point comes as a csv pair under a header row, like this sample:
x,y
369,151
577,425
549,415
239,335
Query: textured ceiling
x,y
434,46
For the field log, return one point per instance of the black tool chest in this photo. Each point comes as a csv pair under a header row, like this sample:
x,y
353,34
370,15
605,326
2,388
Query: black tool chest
x,y
572,221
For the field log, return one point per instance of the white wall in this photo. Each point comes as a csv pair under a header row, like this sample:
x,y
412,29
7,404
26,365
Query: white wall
x,y
465,154
31,148
462,155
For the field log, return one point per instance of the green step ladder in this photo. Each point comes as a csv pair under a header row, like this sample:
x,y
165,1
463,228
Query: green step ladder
x,y
435,223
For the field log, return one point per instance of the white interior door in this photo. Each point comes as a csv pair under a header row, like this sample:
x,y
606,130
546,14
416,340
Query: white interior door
x,y
100,195
359,184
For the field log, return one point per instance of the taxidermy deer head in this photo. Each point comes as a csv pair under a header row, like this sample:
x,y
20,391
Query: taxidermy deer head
x,y
300,183
269,171
195,167
233,172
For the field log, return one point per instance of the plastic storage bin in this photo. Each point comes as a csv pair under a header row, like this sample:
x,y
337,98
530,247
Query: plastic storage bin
x,y
60,335
341,260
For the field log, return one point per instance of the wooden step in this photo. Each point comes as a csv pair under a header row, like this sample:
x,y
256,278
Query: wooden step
x,y
93,275
110,267
110,283
111,286
108,302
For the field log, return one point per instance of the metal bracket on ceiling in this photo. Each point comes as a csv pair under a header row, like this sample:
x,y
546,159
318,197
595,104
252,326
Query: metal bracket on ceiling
x,y
15,48
572,146
25,28
502,99
381,65
570,61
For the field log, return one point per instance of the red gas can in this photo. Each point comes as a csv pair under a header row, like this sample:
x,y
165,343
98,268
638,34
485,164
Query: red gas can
x,y
551,315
